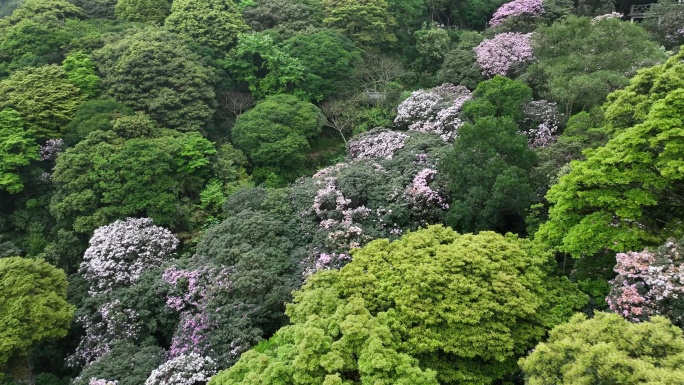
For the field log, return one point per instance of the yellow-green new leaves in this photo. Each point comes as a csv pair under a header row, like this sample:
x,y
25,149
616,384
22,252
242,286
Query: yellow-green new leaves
x,y
367,22
627,194
44,97
212,23
33,305
17,149
608,350
463,306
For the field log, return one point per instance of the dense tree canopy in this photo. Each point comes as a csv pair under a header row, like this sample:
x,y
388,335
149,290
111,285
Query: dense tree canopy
x,y
152,71
33,305
371,320
214,23
17,149
626,194
608,349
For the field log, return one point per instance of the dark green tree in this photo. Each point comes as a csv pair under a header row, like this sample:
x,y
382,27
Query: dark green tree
x,y
94,115
212,23
275,134
107,177
152,71
266,68
328,58
287,17
366,22
152,11
488,173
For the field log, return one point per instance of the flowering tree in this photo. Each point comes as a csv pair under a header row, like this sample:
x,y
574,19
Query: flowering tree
x,y
376,144
517,8
51,149
112,322
497,55
435,110
119,252
186,369
541,122
650,282
381,193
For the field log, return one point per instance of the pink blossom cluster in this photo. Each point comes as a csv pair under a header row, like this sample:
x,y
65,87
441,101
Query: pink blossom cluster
x,y
376,144
113,322
612,15
543,119
496,56
419,190
648,282
185,369
436,110
517,8
326,261
51,149
118,253
191,293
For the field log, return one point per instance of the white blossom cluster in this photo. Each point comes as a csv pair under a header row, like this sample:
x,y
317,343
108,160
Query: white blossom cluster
x,y
436,110
376,144
121,251
51,149
186,369
543,119
113,322
612,15
100,381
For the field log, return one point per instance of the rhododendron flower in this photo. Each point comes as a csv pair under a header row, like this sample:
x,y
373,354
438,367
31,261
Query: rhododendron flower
x,y
497,55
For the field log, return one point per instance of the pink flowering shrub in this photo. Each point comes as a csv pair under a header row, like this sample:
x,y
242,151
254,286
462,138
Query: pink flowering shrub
x,y
345,206
541,123
517,8
496,56
119,252
436,110
100,381
650,283
192,294
112,322
185,369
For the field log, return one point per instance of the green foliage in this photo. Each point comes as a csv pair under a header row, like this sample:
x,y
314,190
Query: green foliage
x,y
106,177
276,133
627,194
367,22
212,23
607,349
261,249
47,12
96,9
432,44
266,68
328,58
152,11
286,17
499,97
16,149
488,169
126,362
44,97
464,306
152,71
80,71
93,115
33,305
31,44
579,62
460,64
